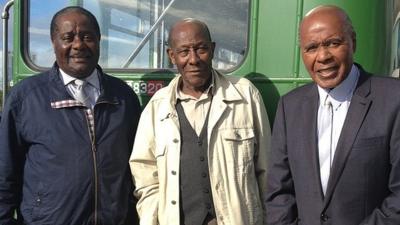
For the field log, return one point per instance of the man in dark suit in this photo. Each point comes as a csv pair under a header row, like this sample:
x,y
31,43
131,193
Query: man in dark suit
x,y
335,156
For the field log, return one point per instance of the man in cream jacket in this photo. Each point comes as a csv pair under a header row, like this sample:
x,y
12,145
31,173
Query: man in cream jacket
x,y
201,144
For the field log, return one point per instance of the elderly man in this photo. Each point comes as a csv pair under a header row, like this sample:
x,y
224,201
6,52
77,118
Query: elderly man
x,y
200,154
335,156
66,136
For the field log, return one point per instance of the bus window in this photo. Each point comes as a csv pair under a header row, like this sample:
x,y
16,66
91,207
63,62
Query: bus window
x,y
135,32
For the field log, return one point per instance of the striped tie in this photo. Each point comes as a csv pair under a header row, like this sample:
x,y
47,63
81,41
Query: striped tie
x,y
79,91
325,143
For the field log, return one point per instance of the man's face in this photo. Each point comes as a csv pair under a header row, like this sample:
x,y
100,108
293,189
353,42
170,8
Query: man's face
x,y
76,44
192,53
327,48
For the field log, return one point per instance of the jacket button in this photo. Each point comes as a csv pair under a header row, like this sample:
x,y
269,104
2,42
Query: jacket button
x,y
324,217
175,140
173,172
173,202
237,135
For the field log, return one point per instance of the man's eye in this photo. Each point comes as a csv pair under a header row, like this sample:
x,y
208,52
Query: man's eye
x,y
334,44
183,52
202,50
67,38
88,37
310,49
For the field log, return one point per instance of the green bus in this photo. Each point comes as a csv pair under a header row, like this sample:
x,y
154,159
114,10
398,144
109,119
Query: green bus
x,y
257,39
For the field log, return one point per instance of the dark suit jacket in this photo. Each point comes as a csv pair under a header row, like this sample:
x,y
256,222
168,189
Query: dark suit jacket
x,y
364,185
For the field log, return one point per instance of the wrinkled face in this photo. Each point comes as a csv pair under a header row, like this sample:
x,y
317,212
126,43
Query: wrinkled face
x,y
76,44
192,52
327,48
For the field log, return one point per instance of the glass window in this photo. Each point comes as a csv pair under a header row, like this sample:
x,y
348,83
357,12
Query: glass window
x,y
40,13
134,32
397,65
395,50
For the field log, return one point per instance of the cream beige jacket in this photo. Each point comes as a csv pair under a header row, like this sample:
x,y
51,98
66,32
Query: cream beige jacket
x,y
238,141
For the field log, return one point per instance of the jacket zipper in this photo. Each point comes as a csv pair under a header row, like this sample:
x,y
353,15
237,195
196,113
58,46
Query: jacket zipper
x,y
92,137
95,182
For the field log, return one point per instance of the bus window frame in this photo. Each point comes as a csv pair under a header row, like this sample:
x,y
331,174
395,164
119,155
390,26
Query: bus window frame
x,y
395,61
25,46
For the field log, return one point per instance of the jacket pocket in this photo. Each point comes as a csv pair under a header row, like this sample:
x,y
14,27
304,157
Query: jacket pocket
x,y
37,203
240,143
160,151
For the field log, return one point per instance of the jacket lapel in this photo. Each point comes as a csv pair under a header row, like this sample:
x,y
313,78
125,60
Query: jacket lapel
x,y
224,93
167,108
218,108
57,90
310,109
355,116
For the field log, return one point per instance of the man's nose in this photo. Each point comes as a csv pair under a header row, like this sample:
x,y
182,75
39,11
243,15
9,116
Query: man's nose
x,y
77,42
193,56
323,54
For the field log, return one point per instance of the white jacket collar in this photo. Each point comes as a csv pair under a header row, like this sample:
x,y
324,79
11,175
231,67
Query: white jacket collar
x,y
224,92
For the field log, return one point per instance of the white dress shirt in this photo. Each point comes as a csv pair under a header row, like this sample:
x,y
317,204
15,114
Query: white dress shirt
x,y
92,89
196,109
340,98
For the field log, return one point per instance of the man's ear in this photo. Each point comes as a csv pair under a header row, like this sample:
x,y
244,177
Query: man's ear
x,y
212,49
354,39
52,45
171,55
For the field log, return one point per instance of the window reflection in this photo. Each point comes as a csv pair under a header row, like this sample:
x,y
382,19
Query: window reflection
x,y
40,49
125,24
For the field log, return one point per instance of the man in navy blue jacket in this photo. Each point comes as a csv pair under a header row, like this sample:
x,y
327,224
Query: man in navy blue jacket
x,y
64,157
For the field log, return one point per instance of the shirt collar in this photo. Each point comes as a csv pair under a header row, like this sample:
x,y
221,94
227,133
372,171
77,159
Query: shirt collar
x,y
93,79
182,96
344,91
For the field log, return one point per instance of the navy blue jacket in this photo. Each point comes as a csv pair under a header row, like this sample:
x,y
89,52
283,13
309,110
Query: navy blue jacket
x,y
51,170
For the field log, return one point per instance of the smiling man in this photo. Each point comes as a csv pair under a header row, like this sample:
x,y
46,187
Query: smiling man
x,y
66,136
335,156
200,154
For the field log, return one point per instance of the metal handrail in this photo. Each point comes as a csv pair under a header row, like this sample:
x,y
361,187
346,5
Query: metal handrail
x,y
146,38
5,16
